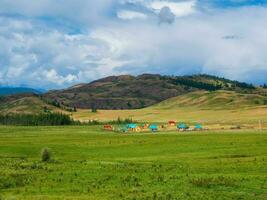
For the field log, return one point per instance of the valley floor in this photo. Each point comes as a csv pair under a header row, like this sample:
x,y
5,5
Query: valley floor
x,y
91,164
246,118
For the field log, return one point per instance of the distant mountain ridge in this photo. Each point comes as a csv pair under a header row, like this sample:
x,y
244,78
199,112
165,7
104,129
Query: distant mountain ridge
x,y
133,92
18,90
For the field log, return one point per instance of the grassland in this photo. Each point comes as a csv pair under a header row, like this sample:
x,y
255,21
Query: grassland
x,y
215,109
91,164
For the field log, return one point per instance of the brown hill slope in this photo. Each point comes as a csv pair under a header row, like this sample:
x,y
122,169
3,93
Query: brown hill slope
x,y
130,92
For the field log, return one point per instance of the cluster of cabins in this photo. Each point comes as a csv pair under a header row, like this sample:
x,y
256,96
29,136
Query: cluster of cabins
x,y
172,125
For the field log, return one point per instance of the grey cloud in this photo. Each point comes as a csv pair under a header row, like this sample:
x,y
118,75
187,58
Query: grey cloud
x,y
231,37
75,11
166,15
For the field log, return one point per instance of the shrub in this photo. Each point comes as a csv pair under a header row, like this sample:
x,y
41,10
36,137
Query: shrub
x,y
46,155
94,110
213,181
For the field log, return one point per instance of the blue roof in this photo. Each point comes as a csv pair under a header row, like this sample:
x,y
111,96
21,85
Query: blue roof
x,y
198,126
131,125
153,126
182,126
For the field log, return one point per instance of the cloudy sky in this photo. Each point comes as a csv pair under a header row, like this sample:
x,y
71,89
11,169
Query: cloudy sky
x,y
58,43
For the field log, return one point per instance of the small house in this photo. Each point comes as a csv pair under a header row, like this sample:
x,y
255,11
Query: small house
x,y
108,127
133,127
182,126
198,127
153,127
145,126
172,123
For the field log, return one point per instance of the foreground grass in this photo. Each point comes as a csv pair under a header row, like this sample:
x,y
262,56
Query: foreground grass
x,y
90,164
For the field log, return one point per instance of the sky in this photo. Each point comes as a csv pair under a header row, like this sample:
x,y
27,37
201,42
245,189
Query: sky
x,y
54,44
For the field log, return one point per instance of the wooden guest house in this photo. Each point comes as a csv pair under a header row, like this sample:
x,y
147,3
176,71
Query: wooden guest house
x,y
133,128
108,127
153,127
182,127
172,123
198,127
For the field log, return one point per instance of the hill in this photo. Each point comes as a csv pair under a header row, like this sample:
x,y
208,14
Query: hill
x,y
132,92
215,100
18,90
27,103
209,107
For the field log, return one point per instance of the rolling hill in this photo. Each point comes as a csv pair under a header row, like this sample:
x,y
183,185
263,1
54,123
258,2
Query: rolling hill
x,y
215,100
132,92
209,107
27,103
151,98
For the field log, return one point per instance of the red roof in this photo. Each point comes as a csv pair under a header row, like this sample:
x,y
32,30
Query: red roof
x,y
107,126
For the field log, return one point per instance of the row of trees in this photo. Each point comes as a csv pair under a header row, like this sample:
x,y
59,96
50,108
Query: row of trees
x,y
49,119
219,83
196,84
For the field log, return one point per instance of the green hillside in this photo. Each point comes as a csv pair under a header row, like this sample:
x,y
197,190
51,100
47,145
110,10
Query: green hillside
x,y
26,104
220,99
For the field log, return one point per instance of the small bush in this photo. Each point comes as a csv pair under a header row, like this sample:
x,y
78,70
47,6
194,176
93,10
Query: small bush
x,y
46,155
213,181
94,110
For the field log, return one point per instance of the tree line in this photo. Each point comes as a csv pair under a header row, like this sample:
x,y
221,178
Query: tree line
x,y
49,119
196,84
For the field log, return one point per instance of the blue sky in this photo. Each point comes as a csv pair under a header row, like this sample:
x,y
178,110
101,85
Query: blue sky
x,y
56,44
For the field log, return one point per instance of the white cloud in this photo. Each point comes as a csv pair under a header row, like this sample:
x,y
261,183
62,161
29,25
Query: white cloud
x,y
42,53
52,76
195,44
180,9
128,15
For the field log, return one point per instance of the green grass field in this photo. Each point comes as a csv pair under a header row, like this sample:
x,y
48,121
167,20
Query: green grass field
x,y
91,164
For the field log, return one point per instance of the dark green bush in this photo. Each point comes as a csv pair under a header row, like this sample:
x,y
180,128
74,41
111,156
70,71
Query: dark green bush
x,y
46,155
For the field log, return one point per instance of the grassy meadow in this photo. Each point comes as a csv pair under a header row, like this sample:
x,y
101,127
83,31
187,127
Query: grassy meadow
x,y
88,163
